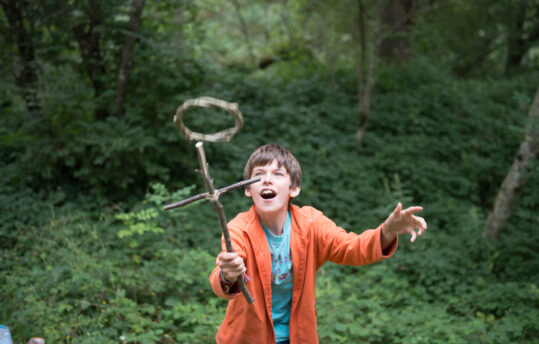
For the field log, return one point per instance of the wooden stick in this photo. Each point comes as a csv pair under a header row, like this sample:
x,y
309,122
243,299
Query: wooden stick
x,y
205,194
214,198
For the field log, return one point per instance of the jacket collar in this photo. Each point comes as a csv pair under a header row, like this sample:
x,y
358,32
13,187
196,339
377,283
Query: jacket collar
x,y
300,225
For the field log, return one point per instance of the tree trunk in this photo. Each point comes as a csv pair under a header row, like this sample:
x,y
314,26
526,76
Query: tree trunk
x,y
516,45
366,75
88,41
285,15
245,31
380,33
179,22
396,17
26,78
521,37
127,55
362,62
366,95
517,177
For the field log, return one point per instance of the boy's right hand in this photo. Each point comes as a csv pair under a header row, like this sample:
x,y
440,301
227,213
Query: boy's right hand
x,y
232,265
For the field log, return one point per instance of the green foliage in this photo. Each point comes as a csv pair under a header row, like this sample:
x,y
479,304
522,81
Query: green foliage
x,y
84,274
88,255
75,279
65,143
478,39
137,223
443,289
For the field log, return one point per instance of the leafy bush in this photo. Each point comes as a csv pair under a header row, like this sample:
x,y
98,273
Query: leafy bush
x,y
80,279
81,266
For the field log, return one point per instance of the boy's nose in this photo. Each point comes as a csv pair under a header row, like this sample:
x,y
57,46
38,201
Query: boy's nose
x,y
266,178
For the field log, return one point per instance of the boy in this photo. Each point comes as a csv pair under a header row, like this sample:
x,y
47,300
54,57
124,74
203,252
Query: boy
x,y
278,249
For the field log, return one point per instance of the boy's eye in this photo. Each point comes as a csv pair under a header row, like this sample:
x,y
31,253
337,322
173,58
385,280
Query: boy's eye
x,y
257,174
279,174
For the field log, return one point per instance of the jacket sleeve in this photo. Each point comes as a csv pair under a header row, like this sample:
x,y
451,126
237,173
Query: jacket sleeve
x,y
221,289
334,244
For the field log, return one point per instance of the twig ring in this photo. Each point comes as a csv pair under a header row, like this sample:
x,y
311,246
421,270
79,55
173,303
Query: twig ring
x,y
220,136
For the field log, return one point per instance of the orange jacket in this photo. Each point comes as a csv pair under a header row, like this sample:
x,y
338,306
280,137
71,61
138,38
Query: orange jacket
x,y
315,239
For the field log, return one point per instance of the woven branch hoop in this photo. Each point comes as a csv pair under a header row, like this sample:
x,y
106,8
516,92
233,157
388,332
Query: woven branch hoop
x,y
208,102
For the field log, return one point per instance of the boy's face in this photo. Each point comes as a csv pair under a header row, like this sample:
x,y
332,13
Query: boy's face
x,y
272,193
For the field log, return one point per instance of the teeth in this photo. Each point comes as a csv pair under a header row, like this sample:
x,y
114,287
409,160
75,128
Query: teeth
x,y
267,194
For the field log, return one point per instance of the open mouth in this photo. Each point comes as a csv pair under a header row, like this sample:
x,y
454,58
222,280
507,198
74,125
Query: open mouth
x,y
268,194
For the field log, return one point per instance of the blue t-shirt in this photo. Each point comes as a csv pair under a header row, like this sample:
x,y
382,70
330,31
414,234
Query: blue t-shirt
x,y
281,279
5,336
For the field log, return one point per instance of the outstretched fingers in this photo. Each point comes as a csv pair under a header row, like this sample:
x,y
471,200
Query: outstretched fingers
x,y
420,224
403,221
414,222
414,235
411,210
397,212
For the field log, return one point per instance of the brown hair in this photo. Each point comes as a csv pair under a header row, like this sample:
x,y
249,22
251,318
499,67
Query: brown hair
x,y
264,155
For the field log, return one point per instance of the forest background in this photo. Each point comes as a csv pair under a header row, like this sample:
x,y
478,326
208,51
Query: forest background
x,y
382,101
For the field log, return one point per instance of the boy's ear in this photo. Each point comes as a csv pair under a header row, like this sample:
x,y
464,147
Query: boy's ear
x,y
248,192
294,191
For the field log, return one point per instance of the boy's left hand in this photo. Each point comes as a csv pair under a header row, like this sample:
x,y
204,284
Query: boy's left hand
x,y
403,221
